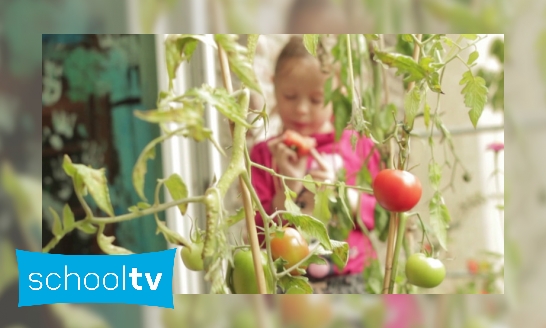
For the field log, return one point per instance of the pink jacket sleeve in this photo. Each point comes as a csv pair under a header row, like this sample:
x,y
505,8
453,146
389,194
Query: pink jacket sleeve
x,y
262,180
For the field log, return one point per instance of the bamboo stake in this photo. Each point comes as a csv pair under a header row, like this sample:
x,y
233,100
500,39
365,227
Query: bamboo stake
x,y
245,194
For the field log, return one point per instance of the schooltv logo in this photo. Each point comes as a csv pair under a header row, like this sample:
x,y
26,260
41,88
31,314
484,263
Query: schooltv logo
x,y
143,279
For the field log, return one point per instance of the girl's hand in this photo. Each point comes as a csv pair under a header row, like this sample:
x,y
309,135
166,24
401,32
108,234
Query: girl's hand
x,y
288,162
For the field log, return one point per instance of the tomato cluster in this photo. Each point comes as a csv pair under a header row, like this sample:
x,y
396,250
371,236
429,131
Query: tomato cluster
x,y
397,190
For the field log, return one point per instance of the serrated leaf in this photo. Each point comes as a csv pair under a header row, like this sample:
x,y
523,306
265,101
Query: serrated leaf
x,y
321,210
177,49
105,244
310,226
86,227
238,60
472,57
412,103
57,228
239,216
439,218
470,36
435,174
68,218
310,41
426,112
340,253
404,64
94,180
295,282
178,190
475,95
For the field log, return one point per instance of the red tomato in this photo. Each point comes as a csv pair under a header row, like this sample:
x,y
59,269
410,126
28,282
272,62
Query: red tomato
x,y
292,247
397,190
302,145
473,266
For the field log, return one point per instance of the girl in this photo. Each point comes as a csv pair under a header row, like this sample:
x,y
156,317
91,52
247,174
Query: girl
x,y
299,84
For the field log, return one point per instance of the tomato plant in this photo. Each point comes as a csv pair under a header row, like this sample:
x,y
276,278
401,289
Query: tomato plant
x,y
300,144
423,271
397,190
292,247
242,276
191,256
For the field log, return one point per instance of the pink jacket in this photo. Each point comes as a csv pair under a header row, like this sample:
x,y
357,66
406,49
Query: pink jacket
x,y
341,155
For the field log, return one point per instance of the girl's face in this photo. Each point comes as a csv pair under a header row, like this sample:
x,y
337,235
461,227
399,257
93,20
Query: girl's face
x,y
299,91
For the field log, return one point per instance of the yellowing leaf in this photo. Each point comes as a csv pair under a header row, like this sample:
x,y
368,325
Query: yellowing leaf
x,y
310,41
177,189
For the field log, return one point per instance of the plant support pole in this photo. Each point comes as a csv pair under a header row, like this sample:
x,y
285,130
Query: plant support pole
x,y
245,194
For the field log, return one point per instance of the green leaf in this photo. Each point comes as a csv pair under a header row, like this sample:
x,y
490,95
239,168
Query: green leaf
x,y
86,227
289,204
407,37
57,228
404,64
470,36
433,81
95,182
426,111
177,49
171,236
439,219
238,60
342,112
143,205
251,44
177,189
309,183
321,210
316,259
373,277
238,216
412,103
68,219
328,90
472,57
107,246
340,253
364,177
435,174
295,283
310,41
225,103
310,226
139,171
371,37
382,217
475,95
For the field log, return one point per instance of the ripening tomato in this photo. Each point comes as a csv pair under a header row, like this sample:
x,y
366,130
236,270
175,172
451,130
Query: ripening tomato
x,y
473,266
397,190
242,276
191,256
302,145
423,271
292,247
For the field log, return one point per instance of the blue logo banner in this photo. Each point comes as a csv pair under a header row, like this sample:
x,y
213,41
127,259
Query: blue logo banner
x,y
143,279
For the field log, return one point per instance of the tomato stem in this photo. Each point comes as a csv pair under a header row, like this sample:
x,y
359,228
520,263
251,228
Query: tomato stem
x,y
399,239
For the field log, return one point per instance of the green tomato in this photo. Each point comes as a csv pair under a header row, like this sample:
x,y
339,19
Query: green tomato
x,y
243,277
423,271
191,256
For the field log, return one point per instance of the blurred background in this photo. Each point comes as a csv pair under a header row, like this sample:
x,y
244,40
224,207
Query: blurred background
x,y
83,75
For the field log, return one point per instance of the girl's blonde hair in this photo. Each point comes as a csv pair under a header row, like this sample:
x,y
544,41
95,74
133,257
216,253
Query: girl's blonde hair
x,y
294,48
